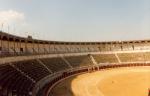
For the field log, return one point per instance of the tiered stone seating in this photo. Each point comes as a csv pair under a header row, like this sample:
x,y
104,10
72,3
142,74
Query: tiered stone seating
x,y
141,46
116,47
79,61
134,57
5,52
105,58
147,56
131,57
55,64
104,48
13,83
127,47
33,69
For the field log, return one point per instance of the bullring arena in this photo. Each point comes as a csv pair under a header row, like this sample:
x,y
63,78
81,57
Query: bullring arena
x,y
31,67
111,82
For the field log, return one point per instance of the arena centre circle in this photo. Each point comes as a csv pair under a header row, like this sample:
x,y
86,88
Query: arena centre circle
x,y
123,81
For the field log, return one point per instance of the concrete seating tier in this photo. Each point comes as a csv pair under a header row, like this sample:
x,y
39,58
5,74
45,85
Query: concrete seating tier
x,y
79,61
134,57
105,58
55,64
33,69
13,83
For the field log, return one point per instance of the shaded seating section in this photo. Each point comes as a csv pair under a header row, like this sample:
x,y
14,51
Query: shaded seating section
x,y
13,83
55,64
134,57
105,58
33,69
79,61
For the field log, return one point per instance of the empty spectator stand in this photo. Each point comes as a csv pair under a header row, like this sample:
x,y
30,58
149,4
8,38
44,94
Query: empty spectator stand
x,y
79,61
105,58
55,64
13,83
32,68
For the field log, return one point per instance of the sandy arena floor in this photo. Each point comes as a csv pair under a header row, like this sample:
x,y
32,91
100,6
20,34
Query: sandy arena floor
x,y
113,82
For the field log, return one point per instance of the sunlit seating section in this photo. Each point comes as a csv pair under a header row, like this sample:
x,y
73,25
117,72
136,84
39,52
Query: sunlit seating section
x,y
13,83
105,58
104,48
141,46
94,49
146,56
131,57
79,61
33,69
116,47
55,64
127,47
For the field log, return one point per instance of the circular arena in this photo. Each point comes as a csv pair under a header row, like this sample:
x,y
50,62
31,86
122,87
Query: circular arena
x,y
31,67
125,81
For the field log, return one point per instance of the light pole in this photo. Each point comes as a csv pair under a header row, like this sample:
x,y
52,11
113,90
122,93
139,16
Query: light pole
x,y
13,29
2,27
7,27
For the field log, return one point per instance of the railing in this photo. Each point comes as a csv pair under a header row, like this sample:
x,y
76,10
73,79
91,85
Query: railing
x,y
53,79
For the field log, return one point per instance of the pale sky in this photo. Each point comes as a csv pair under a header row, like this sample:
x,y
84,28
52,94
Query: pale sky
x,y
77,20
